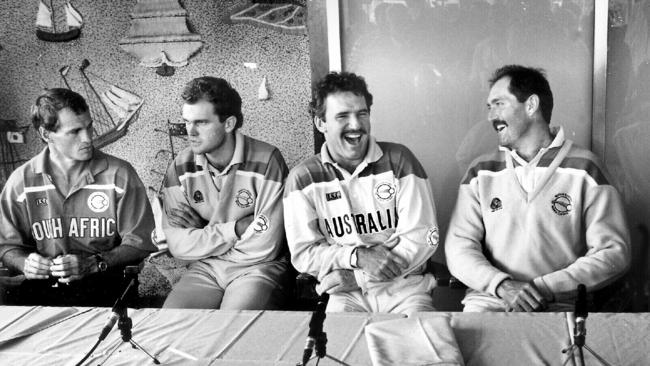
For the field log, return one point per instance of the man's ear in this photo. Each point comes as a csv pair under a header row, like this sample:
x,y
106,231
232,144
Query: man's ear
x,y
230,123
532,105
320,124
45,134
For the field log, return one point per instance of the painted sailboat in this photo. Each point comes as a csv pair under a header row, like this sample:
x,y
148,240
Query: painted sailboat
x,y
46,23
112,108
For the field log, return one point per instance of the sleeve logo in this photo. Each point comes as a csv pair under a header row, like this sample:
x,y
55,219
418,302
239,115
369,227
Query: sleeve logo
x,y
562,204
432,237
261,224
98,202
244,198
385,191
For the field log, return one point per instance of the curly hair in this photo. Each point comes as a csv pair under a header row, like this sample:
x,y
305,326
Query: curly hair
x,y
219,92
526,81
45,111
336,82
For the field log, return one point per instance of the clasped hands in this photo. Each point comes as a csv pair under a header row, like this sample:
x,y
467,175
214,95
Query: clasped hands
x,y
521,296
67,268
378,262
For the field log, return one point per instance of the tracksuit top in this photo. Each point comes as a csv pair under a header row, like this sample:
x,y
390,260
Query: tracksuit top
x,y
107,207
252,184
386,201
570,229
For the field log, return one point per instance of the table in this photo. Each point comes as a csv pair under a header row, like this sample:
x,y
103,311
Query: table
x,y
61,336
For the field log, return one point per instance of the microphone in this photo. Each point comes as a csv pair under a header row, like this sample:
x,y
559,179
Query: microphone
x,y
315,327
580,330
110,323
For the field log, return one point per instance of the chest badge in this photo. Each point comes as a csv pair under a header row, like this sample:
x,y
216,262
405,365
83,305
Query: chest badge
x,y
98,202
562,204
496,204
197,197
385,191
244,198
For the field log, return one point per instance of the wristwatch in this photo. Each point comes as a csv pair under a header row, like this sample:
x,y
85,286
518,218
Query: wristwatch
x,y
354,258
102,266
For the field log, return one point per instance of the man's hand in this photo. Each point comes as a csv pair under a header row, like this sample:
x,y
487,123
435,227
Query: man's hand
x,y
71,267
521,296
339,280
37,267
380,263
186,217
242,224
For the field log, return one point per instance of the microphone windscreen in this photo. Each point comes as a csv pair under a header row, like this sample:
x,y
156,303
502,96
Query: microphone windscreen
x,y
581,302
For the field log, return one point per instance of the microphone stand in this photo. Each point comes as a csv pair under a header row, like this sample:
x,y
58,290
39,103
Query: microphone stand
x,y
317,339
580,331
125,324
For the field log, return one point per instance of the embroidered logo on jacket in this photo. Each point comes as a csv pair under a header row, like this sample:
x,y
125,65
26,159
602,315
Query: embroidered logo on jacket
x,y
261,224
495,205
41,201
197,197
432,237
561,204
244,198
331,196
98,202
385,191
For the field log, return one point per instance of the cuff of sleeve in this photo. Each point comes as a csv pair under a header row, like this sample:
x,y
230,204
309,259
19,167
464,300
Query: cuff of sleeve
x,y
361,280
229,232
544,289
495,282
346,254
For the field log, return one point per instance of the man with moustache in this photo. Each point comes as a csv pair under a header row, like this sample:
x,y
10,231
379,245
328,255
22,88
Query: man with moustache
x,y
360,215
537,217
222,201
72,217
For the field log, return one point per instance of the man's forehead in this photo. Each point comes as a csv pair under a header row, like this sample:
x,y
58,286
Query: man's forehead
x,y
345,100
500,89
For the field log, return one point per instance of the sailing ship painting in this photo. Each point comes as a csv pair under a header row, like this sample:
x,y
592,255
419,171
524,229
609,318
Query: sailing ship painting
x,y
112,108
50,27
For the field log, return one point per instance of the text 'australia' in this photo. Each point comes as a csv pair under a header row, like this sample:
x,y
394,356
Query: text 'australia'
x,y
368,223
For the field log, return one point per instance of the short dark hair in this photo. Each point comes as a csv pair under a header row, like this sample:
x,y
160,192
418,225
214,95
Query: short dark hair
x,y
45,111
336,82
526,81
219,92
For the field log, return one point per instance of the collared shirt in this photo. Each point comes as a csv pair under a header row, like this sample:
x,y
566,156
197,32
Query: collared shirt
x,y
107,207
373,154
237,158
526,171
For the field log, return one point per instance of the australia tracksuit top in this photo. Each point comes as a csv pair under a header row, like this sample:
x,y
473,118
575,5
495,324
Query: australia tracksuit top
x,y
386,201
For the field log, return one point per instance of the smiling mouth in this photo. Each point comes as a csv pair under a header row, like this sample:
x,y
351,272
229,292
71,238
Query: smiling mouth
x,y
353,138
499,125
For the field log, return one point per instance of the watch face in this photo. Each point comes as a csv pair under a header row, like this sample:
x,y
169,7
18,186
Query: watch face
x,y
102,266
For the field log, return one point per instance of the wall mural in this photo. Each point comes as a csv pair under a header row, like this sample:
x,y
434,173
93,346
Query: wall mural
x,y
286,18
112,108
57,24
159,36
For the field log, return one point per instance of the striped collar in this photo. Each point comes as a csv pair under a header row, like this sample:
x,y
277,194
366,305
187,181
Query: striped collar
x,y
373,154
